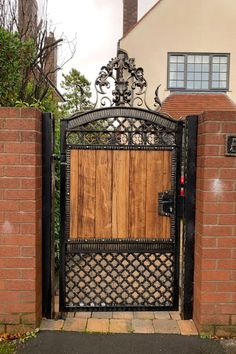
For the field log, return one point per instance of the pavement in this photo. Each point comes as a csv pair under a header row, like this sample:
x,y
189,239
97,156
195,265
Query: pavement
x,y
65,342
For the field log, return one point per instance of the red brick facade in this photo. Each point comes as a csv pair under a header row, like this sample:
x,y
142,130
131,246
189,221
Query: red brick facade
x,y
130,15
215,237
20,217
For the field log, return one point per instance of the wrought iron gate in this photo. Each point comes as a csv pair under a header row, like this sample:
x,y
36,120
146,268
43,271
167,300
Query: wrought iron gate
x,y
120,201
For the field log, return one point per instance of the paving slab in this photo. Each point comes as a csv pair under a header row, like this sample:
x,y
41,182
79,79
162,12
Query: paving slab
x,y
75,324
98,325
129,315
166,326
101,314
51,325
83,314
162,315
120,326
175,315
70,315
187,328
145,315
142,326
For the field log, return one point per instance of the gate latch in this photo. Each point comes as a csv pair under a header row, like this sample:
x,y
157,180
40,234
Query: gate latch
x,y
166,203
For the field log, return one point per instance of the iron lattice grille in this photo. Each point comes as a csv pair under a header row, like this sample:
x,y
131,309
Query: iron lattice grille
x,y
119,280
122,131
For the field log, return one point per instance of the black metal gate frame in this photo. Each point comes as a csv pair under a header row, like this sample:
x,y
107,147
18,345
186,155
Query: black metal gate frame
x,y
85,248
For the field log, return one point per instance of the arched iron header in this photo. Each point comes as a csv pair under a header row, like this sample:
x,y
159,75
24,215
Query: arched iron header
x,y
125,112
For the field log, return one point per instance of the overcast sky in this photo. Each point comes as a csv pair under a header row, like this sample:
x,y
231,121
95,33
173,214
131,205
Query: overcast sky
x,y
97,25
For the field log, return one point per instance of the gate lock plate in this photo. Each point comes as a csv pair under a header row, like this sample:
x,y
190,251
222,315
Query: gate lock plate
x,y
166,203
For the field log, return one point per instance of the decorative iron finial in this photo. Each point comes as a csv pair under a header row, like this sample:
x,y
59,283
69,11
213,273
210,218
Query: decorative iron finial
x,y
129,85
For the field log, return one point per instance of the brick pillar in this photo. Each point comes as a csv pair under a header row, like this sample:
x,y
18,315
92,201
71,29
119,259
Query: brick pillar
x,y
215,238
130,15
20,218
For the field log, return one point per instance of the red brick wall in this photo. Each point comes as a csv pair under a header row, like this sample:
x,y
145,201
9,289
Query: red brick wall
x,y
215,238
20,217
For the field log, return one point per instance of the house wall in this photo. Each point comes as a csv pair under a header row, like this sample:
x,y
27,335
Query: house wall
x,y
182,26
20,219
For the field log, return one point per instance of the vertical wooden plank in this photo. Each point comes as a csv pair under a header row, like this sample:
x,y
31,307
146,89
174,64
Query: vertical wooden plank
x,y
153,187
103,194
86,194
137,194
120,194
74,186
166,184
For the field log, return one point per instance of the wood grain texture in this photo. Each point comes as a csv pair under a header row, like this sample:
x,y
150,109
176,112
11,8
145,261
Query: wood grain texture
x,y
86,194
137,194
120,194
74,186
114,194
103,211
154,186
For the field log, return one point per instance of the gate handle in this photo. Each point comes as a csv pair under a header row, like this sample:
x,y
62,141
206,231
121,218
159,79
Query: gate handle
x,y
166,203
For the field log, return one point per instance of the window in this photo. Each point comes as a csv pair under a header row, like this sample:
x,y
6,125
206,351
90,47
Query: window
x,y
198,72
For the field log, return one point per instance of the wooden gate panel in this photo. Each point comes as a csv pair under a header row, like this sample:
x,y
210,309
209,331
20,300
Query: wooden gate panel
x,y
114,194
137,194
86,194
120,194
103,210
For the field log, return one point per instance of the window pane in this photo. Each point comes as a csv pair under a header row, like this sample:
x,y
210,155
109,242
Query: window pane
x,y
190,76
205,85
223,76
181,59
190,67
205,59
223,60
223,68
223,84
198,59
205,76
180,84
180,76
180,67
173,59
216,60
190,58
173,83
205,67
198,76
173,75
215,84
215,76
216,68
197,84
173,67
190,85
198,67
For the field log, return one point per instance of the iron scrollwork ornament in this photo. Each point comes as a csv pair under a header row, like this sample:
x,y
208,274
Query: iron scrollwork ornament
x,y
120,83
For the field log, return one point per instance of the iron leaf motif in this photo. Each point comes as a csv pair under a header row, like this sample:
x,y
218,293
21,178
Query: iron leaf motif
x,y
129,83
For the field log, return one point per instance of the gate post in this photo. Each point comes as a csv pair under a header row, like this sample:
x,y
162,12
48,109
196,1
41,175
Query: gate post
x,y
190,152
48,264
